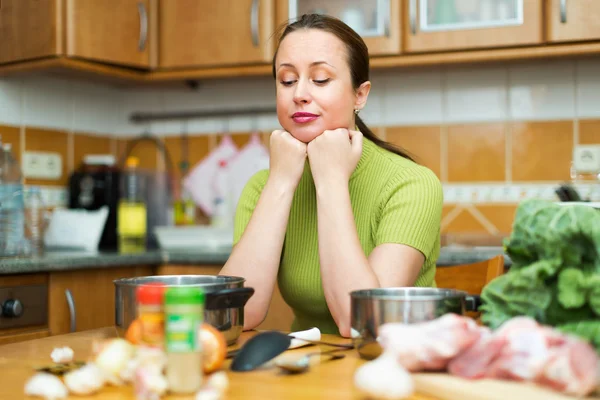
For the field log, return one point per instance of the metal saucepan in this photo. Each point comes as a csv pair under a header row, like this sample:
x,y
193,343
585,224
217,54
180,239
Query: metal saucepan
x,y
373,307
223,309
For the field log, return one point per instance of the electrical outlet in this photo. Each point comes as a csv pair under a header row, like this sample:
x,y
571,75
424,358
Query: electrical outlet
x,y
41,165
586,158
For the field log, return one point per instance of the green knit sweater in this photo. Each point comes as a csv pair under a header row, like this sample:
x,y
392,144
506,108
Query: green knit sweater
x,y
394,200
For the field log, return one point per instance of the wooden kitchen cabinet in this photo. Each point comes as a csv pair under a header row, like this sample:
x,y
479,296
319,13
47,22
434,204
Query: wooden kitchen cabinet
x,y
573,20
196,33
377,21
112,31
440,25
85,299
30,29
119,32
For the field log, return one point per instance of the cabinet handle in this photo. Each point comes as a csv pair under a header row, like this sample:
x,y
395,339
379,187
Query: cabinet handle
x,y
71,304
563,11
143,26
412,15
254,22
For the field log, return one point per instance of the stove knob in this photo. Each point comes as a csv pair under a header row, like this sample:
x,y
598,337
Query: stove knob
x,y
12,308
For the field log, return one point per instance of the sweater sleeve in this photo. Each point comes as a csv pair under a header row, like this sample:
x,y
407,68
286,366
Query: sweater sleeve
x,y
411,210
247,203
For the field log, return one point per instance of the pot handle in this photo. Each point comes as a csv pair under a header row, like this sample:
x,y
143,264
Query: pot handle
x,y
473,302
228,298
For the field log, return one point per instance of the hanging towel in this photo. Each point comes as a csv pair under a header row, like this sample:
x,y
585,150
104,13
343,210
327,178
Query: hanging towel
x,y
252,158
199,182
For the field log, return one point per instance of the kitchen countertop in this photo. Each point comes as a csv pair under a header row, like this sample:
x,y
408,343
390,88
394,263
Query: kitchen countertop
x,y
73,260
327,380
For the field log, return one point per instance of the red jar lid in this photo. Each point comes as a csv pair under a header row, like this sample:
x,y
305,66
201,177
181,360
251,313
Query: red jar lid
x,y
151,293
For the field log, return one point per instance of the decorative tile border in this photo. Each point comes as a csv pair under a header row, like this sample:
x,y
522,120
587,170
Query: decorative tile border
x,y
501,193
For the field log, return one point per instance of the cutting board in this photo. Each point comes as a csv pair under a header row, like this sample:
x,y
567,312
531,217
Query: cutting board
x,y
448,387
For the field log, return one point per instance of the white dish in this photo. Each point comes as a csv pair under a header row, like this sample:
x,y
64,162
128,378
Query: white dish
x,y
195,237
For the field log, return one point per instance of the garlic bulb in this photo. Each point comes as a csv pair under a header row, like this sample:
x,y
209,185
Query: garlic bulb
x,y
112,358
47,386
218,381
384,378
62,355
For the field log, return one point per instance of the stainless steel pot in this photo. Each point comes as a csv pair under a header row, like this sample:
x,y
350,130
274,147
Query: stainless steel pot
x,y
374,307
224,307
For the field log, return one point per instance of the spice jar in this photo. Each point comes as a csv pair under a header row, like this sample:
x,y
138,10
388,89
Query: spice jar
x,y
184,314
151,315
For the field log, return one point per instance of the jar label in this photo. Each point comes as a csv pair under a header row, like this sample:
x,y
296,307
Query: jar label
x,y
181,332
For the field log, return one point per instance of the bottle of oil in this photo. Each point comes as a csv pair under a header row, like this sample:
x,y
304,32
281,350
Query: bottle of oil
x,y
132,211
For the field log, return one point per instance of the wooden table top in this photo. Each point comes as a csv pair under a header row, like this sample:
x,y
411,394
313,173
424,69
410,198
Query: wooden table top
x,y
329,380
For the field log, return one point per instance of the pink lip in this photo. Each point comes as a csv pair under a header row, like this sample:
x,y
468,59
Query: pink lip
x,y
304,117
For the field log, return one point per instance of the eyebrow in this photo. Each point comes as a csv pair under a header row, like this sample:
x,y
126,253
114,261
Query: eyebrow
x,y
311,64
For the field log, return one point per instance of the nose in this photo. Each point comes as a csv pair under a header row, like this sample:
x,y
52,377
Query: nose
x,y
301,93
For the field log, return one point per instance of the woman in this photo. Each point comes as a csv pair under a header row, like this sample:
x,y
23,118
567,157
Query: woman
x,y
338,210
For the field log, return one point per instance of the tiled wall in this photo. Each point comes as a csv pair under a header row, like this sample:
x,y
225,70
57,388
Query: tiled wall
x,y
493,134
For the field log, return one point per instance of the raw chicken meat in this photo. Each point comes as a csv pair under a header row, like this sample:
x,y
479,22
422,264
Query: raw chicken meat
x,y
523,350
429,346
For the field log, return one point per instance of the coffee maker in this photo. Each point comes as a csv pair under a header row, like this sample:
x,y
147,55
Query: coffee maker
x,y
95,184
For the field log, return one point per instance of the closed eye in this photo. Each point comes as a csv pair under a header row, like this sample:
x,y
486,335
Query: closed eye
x,y
287,83
321,81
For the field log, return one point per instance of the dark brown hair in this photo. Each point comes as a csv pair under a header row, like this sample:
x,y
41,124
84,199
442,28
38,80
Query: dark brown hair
x,y
358,61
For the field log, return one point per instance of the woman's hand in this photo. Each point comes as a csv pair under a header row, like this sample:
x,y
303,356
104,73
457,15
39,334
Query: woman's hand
x,y
333,155
287,157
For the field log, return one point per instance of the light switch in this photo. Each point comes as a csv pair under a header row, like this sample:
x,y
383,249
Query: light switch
x,y
41,165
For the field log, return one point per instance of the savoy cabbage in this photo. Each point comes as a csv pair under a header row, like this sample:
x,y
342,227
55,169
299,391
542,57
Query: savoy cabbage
x,y
555,272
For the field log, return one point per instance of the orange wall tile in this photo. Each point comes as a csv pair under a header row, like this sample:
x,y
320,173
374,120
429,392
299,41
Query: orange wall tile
x,y
239,138
589,131
541,151
12,135
89,144
422,142
464,222
476,153
500,215
146,151
51,141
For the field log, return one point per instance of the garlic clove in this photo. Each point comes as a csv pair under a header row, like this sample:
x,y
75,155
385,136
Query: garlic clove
x,y
62,355
384,378
47,386
85,380
218,381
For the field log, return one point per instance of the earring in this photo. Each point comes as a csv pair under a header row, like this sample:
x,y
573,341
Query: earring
x,y
356,111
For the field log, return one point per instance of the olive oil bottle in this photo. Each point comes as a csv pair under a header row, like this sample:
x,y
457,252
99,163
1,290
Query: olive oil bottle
x,y
132,211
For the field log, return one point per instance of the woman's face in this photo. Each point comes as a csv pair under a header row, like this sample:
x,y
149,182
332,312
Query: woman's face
x,y
314,88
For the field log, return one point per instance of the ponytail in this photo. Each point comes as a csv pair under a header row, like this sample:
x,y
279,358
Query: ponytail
x,y
368,133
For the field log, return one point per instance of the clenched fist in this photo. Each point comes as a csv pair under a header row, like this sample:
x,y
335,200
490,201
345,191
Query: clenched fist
x,y
333,155
287,157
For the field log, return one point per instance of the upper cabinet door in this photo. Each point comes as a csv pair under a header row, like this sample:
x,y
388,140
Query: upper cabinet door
x,y
377,21
195,33
119,32
441,25
572,20
29,29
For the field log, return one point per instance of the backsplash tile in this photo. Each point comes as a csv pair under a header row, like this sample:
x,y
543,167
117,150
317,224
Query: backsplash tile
x,y
476,152
589,131
476,95
422,142
11,102
541,151
89,144
48,103
588,87
542,92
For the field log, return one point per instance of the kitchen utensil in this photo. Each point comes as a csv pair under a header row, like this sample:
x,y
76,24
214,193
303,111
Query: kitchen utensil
x,y
264,337
224,306
259,349
373,307
296,364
